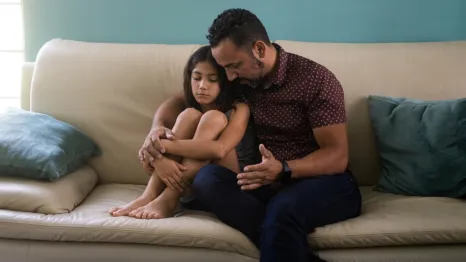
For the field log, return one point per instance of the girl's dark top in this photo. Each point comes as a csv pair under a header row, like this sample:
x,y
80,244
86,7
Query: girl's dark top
x,y
247,149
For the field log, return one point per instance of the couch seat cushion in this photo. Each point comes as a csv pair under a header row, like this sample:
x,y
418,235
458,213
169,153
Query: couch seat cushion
x,y
387,220
91,222
396,220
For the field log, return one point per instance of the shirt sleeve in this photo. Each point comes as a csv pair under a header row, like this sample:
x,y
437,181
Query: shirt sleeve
x,y
327,102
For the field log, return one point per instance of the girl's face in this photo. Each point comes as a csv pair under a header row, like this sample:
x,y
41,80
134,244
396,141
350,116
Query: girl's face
x,y
204,84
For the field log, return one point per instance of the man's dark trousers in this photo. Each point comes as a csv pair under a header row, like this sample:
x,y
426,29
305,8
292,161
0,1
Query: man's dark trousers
x,y
278,222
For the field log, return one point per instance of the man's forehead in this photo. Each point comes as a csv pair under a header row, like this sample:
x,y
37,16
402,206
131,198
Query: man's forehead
x,y
226,53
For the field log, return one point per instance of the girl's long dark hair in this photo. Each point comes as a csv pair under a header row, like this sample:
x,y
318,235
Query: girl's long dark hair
x,y
227,95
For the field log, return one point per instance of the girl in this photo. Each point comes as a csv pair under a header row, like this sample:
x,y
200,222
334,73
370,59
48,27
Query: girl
x,y
214,128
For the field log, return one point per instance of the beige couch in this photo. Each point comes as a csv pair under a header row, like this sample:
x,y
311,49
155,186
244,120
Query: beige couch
x,y
111,92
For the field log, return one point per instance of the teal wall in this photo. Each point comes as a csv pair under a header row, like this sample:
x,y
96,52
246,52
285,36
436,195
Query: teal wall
x,y
186,21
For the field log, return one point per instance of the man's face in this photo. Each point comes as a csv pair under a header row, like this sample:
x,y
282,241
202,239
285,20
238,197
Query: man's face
x,y
239,64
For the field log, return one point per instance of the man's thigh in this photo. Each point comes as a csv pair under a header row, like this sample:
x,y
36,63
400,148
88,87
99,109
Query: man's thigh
x,y
227,178
217,191
318,201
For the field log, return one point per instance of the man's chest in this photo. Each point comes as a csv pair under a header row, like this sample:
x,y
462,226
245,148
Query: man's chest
x,y
279,111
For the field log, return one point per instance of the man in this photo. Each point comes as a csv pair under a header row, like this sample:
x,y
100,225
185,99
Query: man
x,y
303,181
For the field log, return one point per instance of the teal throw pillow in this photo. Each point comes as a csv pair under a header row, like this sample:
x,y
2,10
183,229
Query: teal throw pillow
x,y
422,145
38,146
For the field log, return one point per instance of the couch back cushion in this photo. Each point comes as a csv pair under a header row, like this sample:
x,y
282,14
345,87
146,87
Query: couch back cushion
x,y
111,91
430,71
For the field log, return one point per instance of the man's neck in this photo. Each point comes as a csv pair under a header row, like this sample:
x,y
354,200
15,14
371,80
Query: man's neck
x,y
271,61
270,65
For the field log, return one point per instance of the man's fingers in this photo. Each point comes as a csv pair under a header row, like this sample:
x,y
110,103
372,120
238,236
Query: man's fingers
x,y
141,155
158,133
256,167
147,157
251,187
251,175
249,181
264,151
169,134
155,139
153,152
153,145
155,148
146,163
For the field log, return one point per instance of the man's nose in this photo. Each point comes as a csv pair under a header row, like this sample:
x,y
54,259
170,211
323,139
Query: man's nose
x,y
231,76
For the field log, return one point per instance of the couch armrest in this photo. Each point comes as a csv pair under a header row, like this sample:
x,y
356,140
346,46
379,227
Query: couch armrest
x,y
26,81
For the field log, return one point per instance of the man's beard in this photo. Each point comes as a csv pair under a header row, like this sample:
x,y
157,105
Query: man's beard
x,y
256,81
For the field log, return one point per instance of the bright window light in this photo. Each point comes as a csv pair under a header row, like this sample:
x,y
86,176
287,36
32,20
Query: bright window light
x,y
11,52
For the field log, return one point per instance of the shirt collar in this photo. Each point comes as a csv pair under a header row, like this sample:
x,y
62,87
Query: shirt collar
x,y
279,70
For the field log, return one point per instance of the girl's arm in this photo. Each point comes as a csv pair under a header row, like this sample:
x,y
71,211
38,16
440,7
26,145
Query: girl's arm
x,y
209,149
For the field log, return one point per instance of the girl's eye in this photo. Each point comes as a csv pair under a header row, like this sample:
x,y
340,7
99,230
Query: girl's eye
x,y
197,78
213,79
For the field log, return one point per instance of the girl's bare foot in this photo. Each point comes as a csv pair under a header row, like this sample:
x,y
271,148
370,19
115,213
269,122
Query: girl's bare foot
x,y
137,203
162,207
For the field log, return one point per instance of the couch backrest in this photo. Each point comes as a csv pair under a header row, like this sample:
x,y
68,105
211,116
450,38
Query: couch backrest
x,y
432,71
111,91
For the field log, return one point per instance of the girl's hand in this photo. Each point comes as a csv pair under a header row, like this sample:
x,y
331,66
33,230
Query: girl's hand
x,y
169,171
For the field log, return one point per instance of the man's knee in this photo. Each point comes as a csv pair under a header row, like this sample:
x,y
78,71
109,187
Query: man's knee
x,y
215,118
281,212
206,175
190,115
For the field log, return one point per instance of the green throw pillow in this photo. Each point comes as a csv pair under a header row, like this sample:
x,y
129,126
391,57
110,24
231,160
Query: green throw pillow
x,y
422,145
38,146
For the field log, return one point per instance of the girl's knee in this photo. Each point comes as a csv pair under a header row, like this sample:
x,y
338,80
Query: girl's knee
x,y
215,118
190,115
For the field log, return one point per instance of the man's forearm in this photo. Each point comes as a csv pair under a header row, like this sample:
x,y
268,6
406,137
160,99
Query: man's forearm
x,y
168,111
321,162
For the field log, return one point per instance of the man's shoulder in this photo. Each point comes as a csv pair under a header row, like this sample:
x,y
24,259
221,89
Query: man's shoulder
x,y
311,77
306,68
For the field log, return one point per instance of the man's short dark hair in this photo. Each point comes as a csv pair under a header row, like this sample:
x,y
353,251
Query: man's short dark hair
x,y
240,25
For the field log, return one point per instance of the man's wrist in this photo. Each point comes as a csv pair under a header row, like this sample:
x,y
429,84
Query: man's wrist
x,y
285,174
155,127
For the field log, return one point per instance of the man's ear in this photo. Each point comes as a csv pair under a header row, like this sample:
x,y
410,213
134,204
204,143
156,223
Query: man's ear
x,y
259,49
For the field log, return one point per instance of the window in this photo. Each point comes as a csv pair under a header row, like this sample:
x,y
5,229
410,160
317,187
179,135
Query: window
x,y
11,52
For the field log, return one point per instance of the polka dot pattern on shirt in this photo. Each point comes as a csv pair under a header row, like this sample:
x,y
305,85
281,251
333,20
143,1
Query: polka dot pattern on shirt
x,y
303,95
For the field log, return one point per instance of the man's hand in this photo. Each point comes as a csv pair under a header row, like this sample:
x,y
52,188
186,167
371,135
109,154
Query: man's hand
x,y
153,148
169,171
261,174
